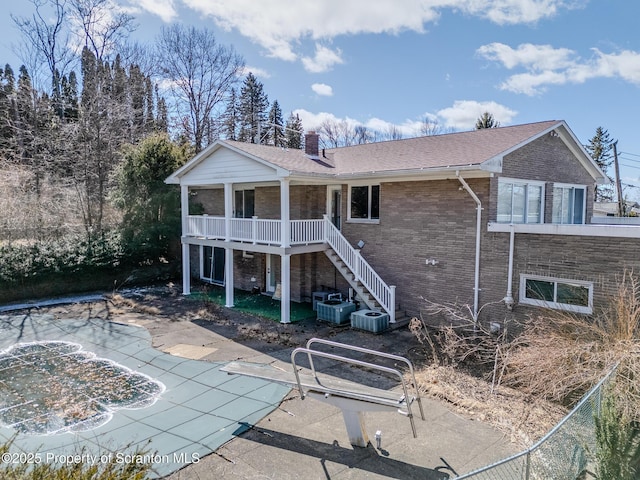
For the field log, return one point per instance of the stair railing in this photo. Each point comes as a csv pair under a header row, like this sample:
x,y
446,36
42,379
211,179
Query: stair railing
x,y
384,294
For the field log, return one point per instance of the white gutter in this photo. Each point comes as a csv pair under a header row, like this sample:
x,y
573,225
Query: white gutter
x,y
508,299
476,287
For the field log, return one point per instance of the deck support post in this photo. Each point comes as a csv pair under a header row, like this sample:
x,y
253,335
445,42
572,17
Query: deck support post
x,y
228,252
228,276
285,259
186,270
186,264
285,286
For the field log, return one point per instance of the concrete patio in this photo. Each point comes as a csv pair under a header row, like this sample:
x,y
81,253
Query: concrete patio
x,y
211,425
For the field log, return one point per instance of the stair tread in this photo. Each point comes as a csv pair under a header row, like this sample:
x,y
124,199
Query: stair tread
x,y
367,298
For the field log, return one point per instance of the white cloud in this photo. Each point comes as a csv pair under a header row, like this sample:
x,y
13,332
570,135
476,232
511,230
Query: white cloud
x,y
516,11
324,59
280,26
322,89
544,65
625,64
408,128
162,8
257,72
313,121
535,57
464,113
461,116
533,83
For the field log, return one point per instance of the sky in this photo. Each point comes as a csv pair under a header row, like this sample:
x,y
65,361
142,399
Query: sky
x,y
398,62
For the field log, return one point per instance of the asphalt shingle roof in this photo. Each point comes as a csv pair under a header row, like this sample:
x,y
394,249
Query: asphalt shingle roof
x,y
428,152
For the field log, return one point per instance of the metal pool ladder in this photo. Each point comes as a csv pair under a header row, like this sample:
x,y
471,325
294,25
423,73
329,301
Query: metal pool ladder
x,y
352,398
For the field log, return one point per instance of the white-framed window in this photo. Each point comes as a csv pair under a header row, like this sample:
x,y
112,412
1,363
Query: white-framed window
x,y
244,203
557,293
520,201
364,203
569,202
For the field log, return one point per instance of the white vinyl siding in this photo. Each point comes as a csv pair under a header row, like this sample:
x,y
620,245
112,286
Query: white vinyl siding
x,y
228,166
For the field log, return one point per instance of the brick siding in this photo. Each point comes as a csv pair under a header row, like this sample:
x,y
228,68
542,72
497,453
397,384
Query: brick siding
x,y
531,163
437,220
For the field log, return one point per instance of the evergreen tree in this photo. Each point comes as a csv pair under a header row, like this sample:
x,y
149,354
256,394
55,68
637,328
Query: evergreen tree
x,y
98,140
253,105
8,80
7,109
25,119
231,117
600,148
70,97
275,131
137,95
486,120
617,455
294,132
36,135
120,84
151,221
149,117
162,115
56,94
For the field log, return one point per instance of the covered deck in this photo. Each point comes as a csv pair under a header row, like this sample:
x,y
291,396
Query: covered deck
x,y
257,231
256,205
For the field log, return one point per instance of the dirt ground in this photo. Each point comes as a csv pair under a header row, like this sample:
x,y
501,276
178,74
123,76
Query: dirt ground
x,y
521,418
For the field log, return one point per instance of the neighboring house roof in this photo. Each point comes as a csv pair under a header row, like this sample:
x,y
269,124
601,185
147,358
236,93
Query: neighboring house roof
x,y
479,150
604,209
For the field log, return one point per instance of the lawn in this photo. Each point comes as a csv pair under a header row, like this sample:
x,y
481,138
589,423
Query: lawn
x,y
255,303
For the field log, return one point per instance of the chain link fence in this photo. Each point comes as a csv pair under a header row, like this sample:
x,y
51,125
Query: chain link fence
x,y
562,454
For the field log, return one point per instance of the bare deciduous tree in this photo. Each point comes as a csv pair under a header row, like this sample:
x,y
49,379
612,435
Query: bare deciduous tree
x,y
200,73
46,40
337,133
393,133
430,127
102,29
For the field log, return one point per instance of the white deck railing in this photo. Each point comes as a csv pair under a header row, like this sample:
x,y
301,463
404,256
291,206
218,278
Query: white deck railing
x,y
383,293
255,230
303,232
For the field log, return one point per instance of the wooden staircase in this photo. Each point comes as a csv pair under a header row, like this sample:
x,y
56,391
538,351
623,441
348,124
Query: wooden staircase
x,y
350,277
363,294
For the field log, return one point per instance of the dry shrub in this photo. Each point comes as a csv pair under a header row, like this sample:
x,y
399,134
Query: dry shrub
x,y
559,357
35,205
121,304
521,417
455,336
424,336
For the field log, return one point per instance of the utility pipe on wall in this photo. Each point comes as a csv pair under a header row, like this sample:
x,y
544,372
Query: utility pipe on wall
x,y
476,286
508,299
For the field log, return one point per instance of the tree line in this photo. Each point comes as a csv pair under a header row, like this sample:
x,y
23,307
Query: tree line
x,y
91,125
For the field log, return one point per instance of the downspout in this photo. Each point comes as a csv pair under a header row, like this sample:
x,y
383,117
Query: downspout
x,y
476,286
508,299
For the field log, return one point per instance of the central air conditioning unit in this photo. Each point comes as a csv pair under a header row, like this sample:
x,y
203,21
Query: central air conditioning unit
x,y
370,321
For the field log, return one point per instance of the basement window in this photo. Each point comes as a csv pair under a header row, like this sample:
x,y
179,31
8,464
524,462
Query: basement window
x,y
559,294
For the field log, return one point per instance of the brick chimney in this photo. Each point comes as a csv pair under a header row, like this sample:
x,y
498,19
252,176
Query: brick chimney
x,y
311,141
